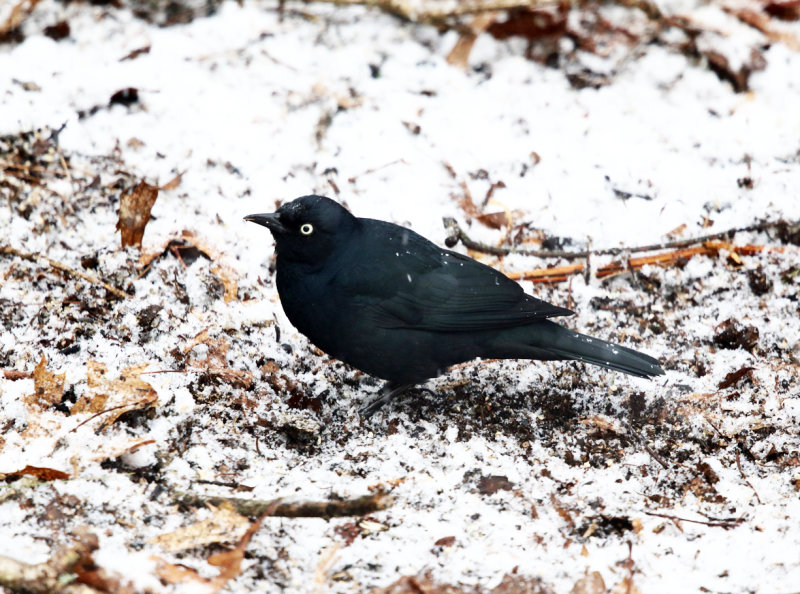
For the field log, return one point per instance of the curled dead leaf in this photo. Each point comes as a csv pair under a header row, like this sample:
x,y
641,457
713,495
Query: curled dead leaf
x,y
115,396
134,213
224,525
43,474
216,362
48,386
188,239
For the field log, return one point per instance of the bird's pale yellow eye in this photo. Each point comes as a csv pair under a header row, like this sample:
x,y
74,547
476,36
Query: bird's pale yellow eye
x,y
306,228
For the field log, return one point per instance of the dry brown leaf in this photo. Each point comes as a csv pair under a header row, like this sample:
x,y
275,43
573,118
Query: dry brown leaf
x,y
116,396
216,361
424,584
763,23
18,14
677,231
459,55
227,275
15,375
224,525
171,573
520,584
230,562
199,338
173,183
134,213
44,474
229,281
48,386
418,584
626,586
591,584
604,423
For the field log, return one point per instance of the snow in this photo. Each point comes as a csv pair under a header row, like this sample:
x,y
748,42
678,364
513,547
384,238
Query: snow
x,y
254,109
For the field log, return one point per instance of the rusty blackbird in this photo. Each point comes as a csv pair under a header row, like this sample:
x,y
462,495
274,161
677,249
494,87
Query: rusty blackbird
x,y
387,301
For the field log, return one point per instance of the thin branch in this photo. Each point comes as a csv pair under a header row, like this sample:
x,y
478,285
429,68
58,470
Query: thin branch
x,y
360,506
55,574
432,13
727,524
640,439
9,251
455,234
744,477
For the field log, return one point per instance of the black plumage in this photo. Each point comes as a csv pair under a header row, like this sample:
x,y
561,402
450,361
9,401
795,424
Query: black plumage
x,y
387,301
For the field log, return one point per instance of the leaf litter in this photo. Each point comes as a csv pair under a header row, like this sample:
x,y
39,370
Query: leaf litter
x,y
166,366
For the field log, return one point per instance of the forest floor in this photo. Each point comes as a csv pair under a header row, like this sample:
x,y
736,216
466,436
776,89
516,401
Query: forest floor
x,y
164,428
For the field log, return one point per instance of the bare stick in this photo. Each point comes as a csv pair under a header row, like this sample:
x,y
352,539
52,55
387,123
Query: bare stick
x,y
360,506
727,524
744,476
8,250
53,574
417,12
640,439
456,234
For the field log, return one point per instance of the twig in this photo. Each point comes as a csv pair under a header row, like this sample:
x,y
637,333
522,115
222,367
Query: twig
x,y
8,250
744,477
131,405
456,234
417,12
54,574
646,446
726,524
557,274
359,506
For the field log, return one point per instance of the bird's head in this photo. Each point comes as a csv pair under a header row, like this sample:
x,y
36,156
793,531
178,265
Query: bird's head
x,y
307,229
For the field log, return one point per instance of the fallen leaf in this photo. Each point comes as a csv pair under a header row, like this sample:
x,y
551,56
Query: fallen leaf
x,y
176,574
224,525
590,584
226,274
493,220
734,377
763,23
520,584
44,474
677,231
445,541
173,183
216,361
115,396
626,586
786,10
459,55
230,562
48,386
134,213
604,423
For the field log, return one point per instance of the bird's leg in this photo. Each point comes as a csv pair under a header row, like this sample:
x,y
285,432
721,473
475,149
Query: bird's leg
x,y
389,391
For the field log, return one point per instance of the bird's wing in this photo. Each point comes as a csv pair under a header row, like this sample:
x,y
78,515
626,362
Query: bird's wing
x,y
424,287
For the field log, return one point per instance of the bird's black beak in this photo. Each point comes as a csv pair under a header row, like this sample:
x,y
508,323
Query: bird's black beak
x,y
270,220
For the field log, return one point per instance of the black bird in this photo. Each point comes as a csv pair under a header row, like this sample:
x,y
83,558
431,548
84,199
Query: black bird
x,y
387,301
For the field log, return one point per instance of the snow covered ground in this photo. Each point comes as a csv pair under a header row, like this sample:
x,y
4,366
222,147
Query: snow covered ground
x,y
254,106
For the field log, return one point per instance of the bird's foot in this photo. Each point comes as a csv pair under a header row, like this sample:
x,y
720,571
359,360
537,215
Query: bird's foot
x,y
388,392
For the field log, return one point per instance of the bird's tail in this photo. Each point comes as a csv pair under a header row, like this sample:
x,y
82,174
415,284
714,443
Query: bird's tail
x,y
548,340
